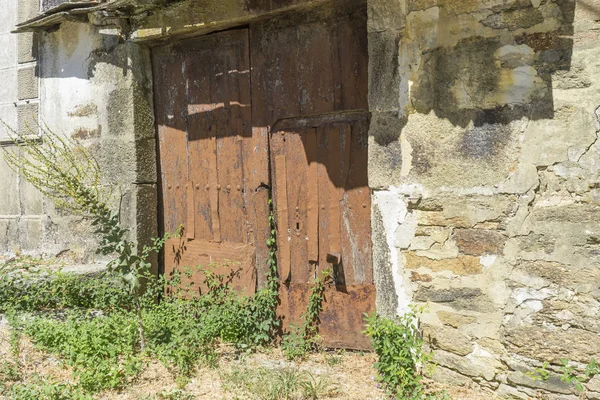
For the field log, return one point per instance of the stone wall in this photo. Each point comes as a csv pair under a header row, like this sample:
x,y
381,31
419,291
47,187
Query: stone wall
x,y
94,87
485,167
21,215
97,88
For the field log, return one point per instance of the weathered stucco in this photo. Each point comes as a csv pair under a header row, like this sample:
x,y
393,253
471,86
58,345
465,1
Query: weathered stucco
x,y
97,88
489,138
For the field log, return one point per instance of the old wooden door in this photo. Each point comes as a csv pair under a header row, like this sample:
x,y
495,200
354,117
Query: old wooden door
x,y
294,122
214,165
310,87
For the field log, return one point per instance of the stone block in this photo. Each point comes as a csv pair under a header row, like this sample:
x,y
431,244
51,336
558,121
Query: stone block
x,y
551,344
9,200
557,273
552,384
8,51
27,47
450,377
146,198
482,367
8,240
386,15
477,242
28,9
455,320
464,298
8,16
8,89
28,119
8,114
30,198
461,265
383,71
27,81
448,339
30,234
145,160
387,298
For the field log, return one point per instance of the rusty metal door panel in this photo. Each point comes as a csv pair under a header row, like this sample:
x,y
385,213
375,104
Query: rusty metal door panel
x,y
190,258
221,203
342,316
317,164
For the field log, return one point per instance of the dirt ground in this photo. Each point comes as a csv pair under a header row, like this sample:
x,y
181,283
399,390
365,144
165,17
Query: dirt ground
x,y
349,375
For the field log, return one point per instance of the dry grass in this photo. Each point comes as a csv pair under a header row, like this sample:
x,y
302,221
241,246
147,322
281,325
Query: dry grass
x,y
348,375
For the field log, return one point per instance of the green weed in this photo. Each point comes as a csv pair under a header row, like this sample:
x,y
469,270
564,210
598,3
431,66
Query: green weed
x,y
304,338
399,348
278,384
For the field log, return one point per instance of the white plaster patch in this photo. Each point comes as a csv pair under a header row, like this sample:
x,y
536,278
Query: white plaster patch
x,y
523,294
521,53
488,260
407,151
534,305
398,230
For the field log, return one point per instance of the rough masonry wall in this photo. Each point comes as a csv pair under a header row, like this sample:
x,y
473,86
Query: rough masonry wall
x,y
21,216
97,88
485,167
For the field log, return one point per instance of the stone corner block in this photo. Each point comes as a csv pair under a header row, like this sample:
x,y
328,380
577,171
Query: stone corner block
x,y
27,50
27,81
27,116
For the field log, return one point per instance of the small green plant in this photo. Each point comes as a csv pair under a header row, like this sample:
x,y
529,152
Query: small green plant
x,y
106,329
333,359
63,170
304,338
539,373
399,347
175,394
278,384
570,376
569,373
44,390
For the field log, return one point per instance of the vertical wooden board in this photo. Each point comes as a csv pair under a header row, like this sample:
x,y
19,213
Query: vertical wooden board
x,y
315,75
334,166
199,130
275,58
357,212
351,60
282,217
297,188
190,223
213,189
260,230
324,195
348,241
229,154
312,210
172,137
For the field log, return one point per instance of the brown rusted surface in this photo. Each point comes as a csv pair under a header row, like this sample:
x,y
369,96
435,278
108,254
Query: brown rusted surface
x,y
309,83
339,195
342,319
212,162
292,122
234,261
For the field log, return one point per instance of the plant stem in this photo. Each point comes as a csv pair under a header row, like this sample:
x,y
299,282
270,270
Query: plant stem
x,y
138,306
